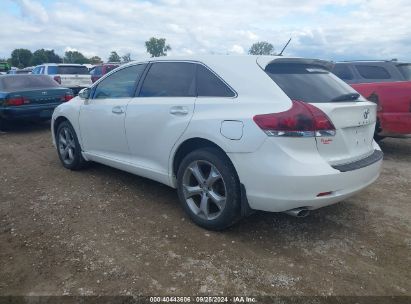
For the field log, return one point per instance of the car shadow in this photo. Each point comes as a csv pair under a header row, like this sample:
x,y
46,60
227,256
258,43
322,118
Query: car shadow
x,y
261,228
396,148
16,127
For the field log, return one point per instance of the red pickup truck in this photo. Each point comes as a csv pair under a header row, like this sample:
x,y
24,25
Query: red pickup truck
x,y
388,84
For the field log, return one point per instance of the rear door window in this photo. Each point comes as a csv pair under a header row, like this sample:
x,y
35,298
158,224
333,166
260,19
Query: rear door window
x,y
309,83
208,84
405,70
68,70
120,84
169,79
372,72
343,72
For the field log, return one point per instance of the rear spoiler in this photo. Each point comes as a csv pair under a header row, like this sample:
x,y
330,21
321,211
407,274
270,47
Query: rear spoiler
x,y
263,61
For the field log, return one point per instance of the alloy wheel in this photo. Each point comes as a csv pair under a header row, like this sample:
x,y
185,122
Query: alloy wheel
x,y
204,189
66,145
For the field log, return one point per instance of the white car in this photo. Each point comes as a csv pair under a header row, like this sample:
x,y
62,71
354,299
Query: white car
x,y
232,133
73,76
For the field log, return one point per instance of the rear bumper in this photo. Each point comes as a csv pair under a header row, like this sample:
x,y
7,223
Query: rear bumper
x,y
280,177
28,112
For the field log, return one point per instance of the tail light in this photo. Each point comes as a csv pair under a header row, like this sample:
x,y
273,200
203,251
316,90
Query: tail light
x,y
302,120
17,101
67,97
57,78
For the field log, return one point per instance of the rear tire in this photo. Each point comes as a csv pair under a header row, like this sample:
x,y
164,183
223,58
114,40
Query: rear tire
x,y
209,189
68,147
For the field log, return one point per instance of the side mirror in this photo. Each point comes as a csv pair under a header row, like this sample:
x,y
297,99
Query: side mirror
x,y
84,93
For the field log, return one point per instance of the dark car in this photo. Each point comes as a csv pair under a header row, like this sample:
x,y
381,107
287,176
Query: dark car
x,y
98,71
29,97
372,71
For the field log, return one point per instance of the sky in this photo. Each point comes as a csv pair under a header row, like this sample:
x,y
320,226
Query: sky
x,y
326,29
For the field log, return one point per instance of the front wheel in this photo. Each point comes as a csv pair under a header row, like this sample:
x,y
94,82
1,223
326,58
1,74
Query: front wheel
x,y
68,147
209,189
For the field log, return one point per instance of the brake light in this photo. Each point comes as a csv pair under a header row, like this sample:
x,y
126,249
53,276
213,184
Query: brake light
x,y
57,78
302,120
68,96
17,101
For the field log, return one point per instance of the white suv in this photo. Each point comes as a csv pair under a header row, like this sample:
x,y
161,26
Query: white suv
x,y
232,133
73,76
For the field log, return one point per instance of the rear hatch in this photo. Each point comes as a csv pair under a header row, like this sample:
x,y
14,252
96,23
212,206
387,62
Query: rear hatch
x,y
353,117
71,76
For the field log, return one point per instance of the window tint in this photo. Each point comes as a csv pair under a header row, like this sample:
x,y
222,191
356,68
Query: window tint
x,y
171,79
405,70
208,84
68,69
309,83
14,83
343,72
120,84
372,72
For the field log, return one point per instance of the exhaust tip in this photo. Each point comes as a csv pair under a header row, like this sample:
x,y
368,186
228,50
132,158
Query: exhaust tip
x,y
298,212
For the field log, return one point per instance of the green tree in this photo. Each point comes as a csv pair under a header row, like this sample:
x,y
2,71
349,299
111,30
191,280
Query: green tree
x,y
45,56
21,58
53,57
261,48
75,57
114,57
39,57
126,57
157,47
95,60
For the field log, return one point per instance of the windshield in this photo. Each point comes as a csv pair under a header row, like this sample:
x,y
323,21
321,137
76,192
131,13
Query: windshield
x,y
405,70
12,83
68,69
309,83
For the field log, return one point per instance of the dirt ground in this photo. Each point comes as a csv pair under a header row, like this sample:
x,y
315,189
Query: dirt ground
x,y
105,232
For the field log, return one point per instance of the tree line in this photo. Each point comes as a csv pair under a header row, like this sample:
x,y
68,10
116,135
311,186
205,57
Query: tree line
x,y
156,47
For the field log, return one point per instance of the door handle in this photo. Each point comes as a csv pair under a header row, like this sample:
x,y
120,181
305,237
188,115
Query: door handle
x,y
179,110
117,110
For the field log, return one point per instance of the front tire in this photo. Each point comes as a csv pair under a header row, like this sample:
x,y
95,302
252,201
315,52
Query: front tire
x,y
209,189
68,147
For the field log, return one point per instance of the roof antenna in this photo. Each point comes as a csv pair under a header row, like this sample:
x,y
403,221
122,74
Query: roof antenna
x,y
281,53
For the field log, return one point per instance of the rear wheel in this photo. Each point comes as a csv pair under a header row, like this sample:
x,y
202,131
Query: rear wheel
x,y
68,147
209,189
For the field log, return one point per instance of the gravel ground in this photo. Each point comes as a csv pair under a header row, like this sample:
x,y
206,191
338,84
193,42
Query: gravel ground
x,y
105,232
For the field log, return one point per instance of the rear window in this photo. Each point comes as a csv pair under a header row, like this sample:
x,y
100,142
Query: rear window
x,y
26,82
309,83
405,70
343,72
372,72
68,69
210,85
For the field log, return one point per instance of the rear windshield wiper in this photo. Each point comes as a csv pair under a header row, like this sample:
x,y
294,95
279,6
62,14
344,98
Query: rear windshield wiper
x,y
346,97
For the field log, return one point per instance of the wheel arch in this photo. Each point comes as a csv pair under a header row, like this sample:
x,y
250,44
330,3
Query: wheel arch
x,y
188,146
